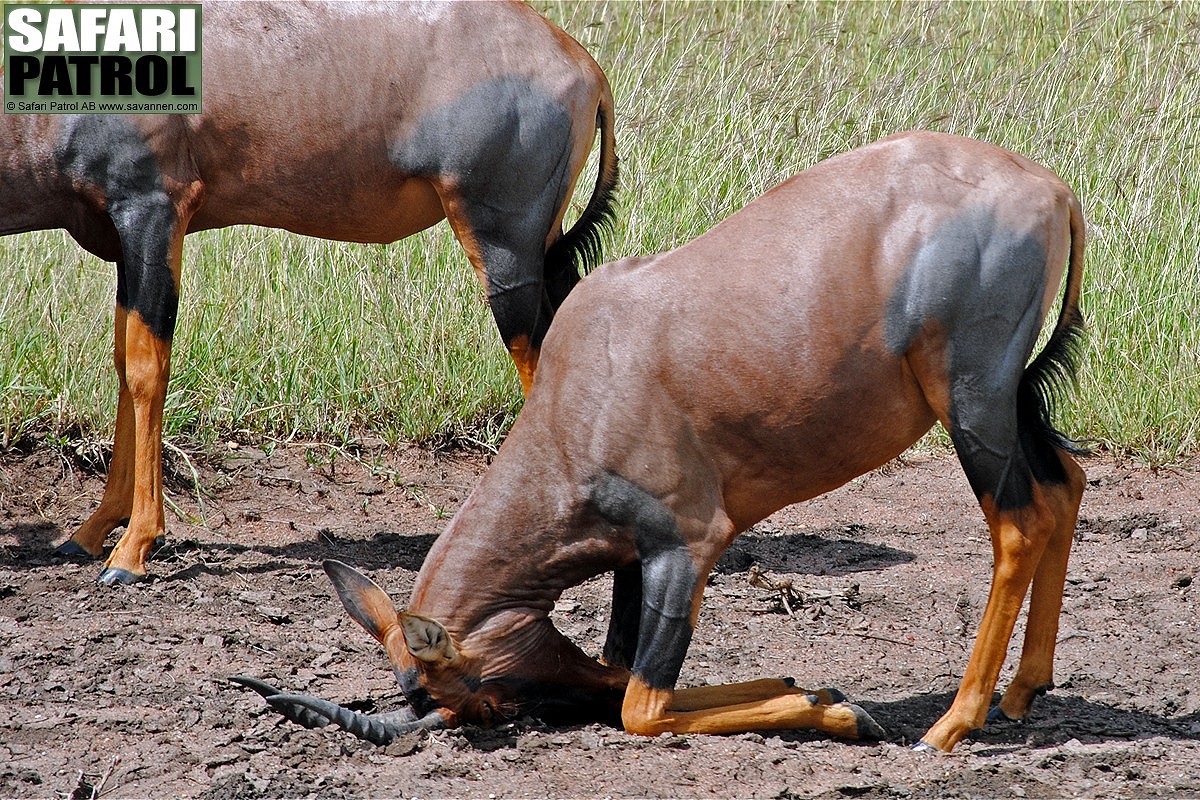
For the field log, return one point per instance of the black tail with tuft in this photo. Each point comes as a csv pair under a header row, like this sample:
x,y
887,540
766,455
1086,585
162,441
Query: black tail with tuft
x,y
580,247
578,250
1049,376
1044,385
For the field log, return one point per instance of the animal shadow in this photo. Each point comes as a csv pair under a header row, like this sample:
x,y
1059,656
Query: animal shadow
x,y
821,553
1056,719
32,539
185,559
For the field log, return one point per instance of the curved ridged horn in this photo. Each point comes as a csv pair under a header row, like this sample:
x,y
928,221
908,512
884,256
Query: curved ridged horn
x,y
301,715
313,712
378,729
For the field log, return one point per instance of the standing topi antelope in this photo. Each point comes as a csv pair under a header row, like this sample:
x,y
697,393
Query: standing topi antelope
x,y
682,397
355,122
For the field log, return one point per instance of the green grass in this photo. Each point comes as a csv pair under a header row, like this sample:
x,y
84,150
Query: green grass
x,y
716,102
279,335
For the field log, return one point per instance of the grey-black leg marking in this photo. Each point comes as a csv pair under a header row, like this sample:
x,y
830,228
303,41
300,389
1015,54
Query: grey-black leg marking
x,y
620,646
516,291
669,577
146,225
983,283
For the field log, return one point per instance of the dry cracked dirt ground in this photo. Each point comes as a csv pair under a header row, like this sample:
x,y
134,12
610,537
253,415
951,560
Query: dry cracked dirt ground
x,y
876,589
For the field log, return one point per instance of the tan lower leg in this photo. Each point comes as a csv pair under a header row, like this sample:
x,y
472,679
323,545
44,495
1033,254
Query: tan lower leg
x,y
525,357
1036,670
701,697
117,502
650,712
148,368
1018,541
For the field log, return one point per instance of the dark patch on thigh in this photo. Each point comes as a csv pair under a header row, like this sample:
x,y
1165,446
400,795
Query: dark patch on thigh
x,y
506,145
982,282
1002,474
668,577
110,153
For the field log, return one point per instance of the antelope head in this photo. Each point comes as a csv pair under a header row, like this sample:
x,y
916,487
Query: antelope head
x,y
512,665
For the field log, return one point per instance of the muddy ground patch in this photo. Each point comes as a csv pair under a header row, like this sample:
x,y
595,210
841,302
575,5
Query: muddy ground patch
x,y
876,589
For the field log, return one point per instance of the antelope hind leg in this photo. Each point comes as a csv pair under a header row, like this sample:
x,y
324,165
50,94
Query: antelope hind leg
x,y
1035,674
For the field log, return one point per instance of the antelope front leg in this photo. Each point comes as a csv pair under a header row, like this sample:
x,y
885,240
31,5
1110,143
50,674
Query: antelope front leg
x,y
650,711
695,698
149,291
148,371
117,502
671,592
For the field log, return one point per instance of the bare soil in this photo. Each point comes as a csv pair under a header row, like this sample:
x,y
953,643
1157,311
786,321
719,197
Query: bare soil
x,y
875,589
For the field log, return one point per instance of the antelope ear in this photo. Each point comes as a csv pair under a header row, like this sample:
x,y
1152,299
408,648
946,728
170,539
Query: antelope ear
x,y
367,603
427,639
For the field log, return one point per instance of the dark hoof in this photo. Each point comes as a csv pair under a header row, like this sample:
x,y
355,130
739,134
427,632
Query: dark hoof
x,y
922,747
868,728
826,697
831,696
114,575
73,549
996,714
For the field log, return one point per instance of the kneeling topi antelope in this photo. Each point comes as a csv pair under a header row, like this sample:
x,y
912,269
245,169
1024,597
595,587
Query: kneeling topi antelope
x,y
682,397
